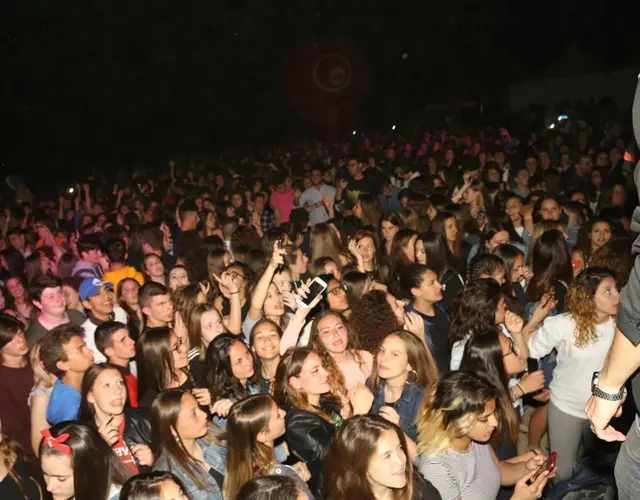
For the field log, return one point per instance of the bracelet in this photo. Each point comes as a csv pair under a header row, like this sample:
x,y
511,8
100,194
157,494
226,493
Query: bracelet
x,y
519,386
234,293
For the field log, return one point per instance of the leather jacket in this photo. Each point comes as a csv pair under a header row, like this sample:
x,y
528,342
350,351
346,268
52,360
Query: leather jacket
x,y
309,437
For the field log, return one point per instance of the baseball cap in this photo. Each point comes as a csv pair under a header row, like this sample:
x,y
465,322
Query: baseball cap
x,y
90,287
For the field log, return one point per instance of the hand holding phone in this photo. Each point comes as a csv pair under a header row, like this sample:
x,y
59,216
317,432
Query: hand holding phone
x,y
316,287
549,465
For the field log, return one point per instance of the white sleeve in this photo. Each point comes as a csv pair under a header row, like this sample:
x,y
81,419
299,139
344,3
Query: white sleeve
x,y
546,338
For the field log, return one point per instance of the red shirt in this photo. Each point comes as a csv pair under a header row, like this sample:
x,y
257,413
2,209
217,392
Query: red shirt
x,y
132,389
123,452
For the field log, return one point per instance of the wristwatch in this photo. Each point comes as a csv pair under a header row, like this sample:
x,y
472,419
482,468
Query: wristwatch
x,y
607,396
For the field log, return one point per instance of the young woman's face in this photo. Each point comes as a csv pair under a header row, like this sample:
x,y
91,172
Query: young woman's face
x,y
513,208
179,352
513,360
276,427
192,421
129,292
485,424
313,378
550,210
333,334
430,289
337,297
154,266
421,256
497,275
210,221
109,393
618,195
15,288
241,361
599,235
388,464
58,476
266,341
451,229
501,311
273,304
367,248
470,196
211,326
500,238
518,269
17,347
392,358
71,297
357,210
282,280
607,297
332,268
388,230
177,278
409,249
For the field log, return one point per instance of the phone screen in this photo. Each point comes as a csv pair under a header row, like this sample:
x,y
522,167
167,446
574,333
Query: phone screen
x,y
315,288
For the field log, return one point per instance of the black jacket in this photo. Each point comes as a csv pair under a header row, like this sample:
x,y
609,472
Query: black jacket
x,y
309,437
137,430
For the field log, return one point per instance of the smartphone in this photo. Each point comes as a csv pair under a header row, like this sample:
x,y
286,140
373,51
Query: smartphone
x,y
532,365
316,287
549,465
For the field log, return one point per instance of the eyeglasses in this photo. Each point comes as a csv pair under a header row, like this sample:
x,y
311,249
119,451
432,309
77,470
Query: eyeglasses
x,y
234,275
512,349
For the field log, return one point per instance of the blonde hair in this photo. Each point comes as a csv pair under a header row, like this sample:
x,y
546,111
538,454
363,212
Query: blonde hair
x,y
450,410
41,377
580,304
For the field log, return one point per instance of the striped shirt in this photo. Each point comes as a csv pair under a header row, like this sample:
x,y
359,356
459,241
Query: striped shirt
x,y
469,475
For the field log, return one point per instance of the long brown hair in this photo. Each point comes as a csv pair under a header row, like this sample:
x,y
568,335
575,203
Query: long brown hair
x,y
418,356
194,327
325,243
284,394
351,452
336,378
165,440
246,456
153,357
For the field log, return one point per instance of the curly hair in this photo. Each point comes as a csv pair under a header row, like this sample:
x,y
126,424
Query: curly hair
x,y
336,377
220,379
372,318
580,303
474,309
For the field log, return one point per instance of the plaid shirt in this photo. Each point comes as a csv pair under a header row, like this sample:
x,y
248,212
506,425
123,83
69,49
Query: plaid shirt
x,y
267,220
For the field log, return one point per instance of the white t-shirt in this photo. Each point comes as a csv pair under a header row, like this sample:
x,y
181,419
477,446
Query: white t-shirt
x,y
89,328
314,195
571,384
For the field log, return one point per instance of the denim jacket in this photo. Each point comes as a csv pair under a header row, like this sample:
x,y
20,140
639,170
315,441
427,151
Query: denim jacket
x,y
215,455
407,406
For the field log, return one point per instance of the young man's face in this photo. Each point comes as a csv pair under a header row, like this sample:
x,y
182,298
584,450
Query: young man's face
x,y
51,301
92,256
160,309
122,345
100,305
78,357
17,241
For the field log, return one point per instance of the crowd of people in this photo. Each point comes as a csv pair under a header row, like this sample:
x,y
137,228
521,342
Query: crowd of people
x,y
159,337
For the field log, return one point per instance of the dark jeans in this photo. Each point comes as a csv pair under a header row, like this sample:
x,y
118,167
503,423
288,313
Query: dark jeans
x,y
628,465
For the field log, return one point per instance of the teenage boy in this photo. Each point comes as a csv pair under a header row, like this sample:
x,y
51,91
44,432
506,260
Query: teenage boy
x,y
16,382
91,258
48,298
116,251
99,301
114,342
157,307
65,355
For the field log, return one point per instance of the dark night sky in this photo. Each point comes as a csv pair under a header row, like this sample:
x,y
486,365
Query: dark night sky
x,y
103,80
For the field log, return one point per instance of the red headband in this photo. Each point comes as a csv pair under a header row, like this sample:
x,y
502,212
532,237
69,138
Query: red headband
x,y
56,443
